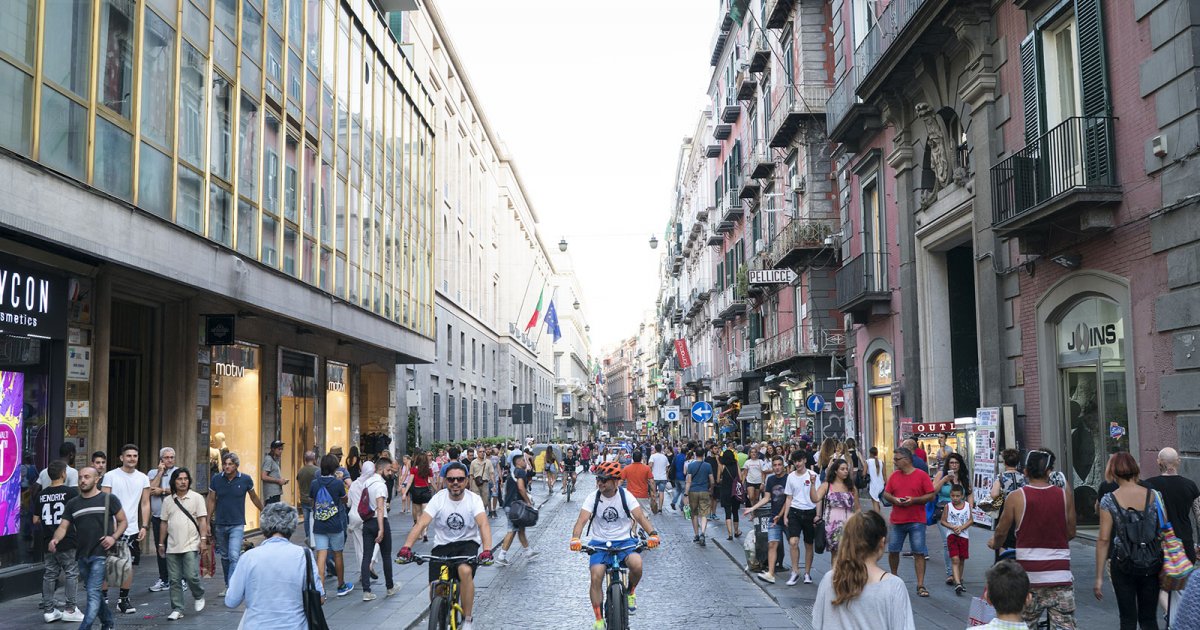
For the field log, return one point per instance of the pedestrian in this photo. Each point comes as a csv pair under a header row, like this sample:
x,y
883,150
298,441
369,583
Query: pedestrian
x,y
918,455
1044,548
908,490
828,452
516,489
376,530
1128,541
353,463
386,469
226,506
328,497
799,520
841,500
1008,592
659,468
1008,481
697,485
1056,476
272,475
1181,501
953,472
482,476
494,462
727,476
66,454
752,474
775,494
271,577
160,486
419,484
304,478
679,464
551,468
404,475
856,593
51,506
96,521
132,488
1188,615
100,462
875,487
185,533
355,526
956,525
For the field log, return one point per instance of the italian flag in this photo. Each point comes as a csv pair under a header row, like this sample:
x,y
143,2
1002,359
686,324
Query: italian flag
x,y
536,312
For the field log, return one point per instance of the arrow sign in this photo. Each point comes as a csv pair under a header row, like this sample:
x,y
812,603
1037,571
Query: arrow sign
x,y
671,413
702,411
815,403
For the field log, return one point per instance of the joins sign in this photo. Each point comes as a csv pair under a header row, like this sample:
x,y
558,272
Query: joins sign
x,y
771,276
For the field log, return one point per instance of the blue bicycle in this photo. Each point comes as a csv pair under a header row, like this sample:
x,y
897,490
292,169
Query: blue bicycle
x,y
616,584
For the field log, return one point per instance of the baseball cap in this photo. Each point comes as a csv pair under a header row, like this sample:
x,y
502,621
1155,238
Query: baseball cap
x,y
277,444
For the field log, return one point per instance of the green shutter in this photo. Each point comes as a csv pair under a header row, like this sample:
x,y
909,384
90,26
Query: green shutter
x,y
720,276
1031,85
1093,79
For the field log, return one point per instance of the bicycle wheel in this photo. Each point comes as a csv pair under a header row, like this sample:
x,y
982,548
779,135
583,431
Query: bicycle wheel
x,y
570,489
616,608
439,613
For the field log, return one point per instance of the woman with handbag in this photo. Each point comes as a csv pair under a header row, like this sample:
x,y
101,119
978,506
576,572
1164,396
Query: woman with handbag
x,y
838,501
1008,481
184,527
275,578
727,479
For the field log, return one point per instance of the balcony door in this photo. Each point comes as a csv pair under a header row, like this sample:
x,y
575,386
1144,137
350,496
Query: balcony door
x,y
874,235
1060,44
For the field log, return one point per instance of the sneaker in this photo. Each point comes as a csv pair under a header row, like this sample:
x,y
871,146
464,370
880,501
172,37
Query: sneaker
x,y
696,538
124,606
532,554
72,615
793,579
368,596
632,602
599,625
345,589
159,587
959,589
175,615
222,593
467,624
199,604
392,591
53,615
703,540
766,577
807,579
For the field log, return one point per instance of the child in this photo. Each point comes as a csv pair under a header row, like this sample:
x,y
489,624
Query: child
x,y
957,518
1008,592
51,503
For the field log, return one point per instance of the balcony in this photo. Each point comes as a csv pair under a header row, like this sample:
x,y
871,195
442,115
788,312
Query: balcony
x,y
762,163
900,25
729,304
1068,173
699,375
746,86
778,13
862,289
722,131
750,187
703,213
797,103
847,119
715,237
760,50
731,110
731,204
798,243
784,346
718,43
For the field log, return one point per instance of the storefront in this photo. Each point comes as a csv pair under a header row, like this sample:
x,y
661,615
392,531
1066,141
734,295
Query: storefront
x,y
297,413
880,412
233,382
337,406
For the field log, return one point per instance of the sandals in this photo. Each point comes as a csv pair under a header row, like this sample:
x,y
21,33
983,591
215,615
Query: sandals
x,y
959,589
922,591
950,581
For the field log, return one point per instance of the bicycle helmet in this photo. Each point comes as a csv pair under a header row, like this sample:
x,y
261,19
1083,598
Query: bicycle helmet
x,y
608,470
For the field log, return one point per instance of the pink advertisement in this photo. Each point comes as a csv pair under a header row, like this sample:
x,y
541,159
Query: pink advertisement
x,y
12,392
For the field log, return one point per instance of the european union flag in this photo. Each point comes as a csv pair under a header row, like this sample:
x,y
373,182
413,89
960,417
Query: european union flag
x,y
551,321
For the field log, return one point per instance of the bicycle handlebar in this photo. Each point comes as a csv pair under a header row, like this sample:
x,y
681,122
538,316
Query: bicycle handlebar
x,y
640,546
422,559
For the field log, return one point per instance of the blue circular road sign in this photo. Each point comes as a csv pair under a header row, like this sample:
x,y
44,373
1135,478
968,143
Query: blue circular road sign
x,y
702,411
815,403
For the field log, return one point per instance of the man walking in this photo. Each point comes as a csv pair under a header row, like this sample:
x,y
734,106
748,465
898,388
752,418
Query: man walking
x,y
371,504
516,489
160,486
1181,500
227,507
908,490
918,458
800,518
482,476
132,487
97,520
51,506
66,453
698,487
272,475
304,479
639,480
659,464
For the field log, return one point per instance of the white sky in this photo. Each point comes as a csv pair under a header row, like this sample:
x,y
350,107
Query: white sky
x,y
593,100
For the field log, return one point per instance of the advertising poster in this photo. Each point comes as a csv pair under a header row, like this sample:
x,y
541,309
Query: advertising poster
x,y
12,392
987,438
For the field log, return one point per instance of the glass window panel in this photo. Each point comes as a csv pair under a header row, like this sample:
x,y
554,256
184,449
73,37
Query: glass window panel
x,y
64,134
339,276
114,159
312,91
270,246
327,113
275,14
295,78
251,75
248,153
221,149
274,63
247,228
166,9
329,28
225,53
251,31
355,101
116,54
326,258
191,105
290,251
339,205
202,5
195,24
295,25
353,226
66,49
220,215
311,179
189,209
154,182
309,272
226,16
17,21
16,108
158,69
291,181
326,217
271,163
312,35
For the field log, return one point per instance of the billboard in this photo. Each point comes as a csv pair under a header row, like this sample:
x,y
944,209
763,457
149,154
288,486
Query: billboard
x,y
12,393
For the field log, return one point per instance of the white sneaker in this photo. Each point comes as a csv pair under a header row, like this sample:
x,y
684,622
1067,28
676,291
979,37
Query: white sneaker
x,y
807,579
199,605
222,593
793,579
392,591
53,615
532,554
502,558
175,615
368,597
159,586
73,615
467,625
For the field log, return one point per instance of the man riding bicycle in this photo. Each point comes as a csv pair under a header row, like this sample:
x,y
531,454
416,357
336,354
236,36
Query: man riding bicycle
x,y
569,464
459,526
617,511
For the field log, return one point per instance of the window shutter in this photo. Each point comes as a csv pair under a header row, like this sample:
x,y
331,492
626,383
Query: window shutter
x,y
1093,80
1031,85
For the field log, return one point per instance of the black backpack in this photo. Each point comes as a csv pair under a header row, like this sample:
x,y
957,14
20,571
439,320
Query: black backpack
x,y
596,506
1137,549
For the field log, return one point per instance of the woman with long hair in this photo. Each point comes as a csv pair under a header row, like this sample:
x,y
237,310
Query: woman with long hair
x,y
843,501
875,469
404,478
551,467
353,463
752,474
856,593
420,489
1136,589
725,479
827,453
954,472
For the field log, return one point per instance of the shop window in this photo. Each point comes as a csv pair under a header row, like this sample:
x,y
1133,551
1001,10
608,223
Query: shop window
x,y
236,410
882,415
66,45
24,417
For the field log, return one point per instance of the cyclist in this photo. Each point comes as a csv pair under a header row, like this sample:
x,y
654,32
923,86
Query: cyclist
x,y
618,510
569,463
460,525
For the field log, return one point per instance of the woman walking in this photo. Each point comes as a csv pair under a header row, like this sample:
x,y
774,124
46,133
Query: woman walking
x,y
827,454
1127,512
726,476
184,527
329,520
551,467
1009,480
843,502
953,473
270,578
354,463
402,481
875,488
419,488
856,593
752,474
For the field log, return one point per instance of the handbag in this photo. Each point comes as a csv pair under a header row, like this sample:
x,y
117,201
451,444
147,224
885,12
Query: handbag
x,y
522,514
118,561
313,612
1176,565
821,543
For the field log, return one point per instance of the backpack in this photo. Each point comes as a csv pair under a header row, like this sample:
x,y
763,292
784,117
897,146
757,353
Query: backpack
x,y
671,470
324,507
1136,547
596,506
365,510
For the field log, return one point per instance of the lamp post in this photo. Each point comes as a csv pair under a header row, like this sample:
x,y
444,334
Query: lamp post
x,y
562,245
653,242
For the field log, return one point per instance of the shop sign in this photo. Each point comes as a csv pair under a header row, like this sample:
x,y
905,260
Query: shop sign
x,y
229,369
219,330
932,428
1093,327
771,276
31,302
566,405
685,357
987,439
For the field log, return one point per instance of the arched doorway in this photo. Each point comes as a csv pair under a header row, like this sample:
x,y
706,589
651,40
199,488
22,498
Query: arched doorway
x,y
879,404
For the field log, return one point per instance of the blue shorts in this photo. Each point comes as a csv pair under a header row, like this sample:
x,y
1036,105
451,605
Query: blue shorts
x,y
916,538
775,534
329,542
602,557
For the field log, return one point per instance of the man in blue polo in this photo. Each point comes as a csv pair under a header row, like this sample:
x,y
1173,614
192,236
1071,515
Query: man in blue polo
x,y
227,505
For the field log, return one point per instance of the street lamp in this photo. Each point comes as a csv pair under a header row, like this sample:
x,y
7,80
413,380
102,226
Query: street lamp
x,y
562,245
653,242
576,305
587,328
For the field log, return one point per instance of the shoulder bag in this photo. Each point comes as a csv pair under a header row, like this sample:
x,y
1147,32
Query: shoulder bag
x,y
117,561
821,541
1176,565
313,612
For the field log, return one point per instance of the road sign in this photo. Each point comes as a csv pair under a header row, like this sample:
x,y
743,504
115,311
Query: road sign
x,y
671,413
771,276
702,411
839,400
815,403
827,407
522,414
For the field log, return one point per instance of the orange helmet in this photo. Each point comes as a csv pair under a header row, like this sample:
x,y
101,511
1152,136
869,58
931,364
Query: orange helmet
x,y
608,470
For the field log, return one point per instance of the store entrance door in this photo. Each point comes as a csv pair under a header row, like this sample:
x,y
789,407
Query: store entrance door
x,y
132,383
298,412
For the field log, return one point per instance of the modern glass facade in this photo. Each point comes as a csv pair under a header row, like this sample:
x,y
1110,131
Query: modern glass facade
x,y
293,132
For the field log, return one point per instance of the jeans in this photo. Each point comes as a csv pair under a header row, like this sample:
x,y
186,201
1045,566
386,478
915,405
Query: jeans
x,y
228,539
1137,599
678,486
307,510
184,567
946,549
162,562
60,563
370,529
91,571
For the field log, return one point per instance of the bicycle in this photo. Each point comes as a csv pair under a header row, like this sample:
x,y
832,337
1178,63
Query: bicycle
x,y
445,612
616,580
570,486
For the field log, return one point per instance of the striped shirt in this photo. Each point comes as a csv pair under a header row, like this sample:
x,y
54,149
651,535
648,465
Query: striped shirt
x,y
1043,549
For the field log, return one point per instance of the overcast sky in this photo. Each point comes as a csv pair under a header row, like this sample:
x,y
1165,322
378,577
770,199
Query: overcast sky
x,y
593,100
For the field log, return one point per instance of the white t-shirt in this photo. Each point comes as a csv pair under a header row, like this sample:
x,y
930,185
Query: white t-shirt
x,y
754,470
658,465
610,523
959,517
454,521
72,478
610,456
127,487
799,487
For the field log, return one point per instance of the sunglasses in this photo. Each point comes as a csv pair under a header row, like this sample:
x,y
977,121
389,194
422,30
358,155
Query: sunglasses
x,y
456,479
